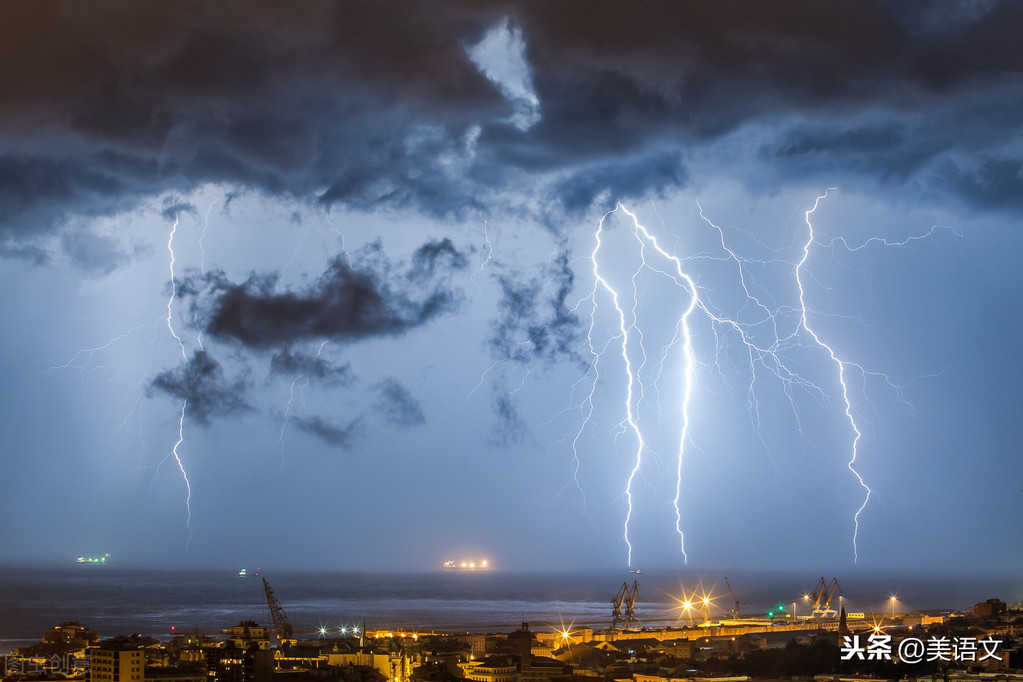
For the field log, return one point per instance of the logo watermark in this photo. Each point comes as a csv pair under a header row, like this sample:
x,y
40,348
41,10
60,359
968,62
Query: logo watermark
x,y
66,664
880,647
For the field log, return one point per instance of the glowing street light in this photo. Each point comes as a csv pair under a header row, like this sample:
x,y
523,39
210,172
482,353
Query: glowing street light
x,y
892,598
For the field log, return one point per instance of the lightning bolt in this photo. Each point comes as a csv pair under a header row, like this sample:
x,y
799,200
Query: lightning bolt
x,y
174,288
202,237
184,403
340,239
486,261
291,399
623,335
757,326
841,366
287,413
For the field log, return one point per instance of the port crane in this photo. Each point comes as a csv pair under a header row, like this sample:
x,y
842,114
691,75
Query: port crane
x,y
282,625
735,602
625,600
822,596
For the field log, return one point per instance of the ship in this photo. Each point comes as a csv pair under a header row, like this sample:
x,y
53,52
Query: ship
x,y
92,559
481,565
244,573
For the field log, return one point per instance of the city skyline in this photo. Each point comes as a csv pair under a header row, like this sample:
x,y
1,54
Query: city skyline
x,y
558,287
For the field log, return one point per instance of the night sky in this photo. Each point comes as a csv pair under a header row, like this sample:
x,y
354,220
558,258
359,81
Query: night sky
x,y
355,267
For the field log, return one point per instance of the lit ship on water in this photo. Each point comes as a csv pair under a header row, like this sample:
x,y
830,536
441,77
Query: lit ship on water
x,y
92,559
481,565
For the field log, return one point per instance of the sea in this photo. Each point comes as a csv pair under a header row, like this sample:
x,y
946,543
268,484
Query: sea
x,y
113,600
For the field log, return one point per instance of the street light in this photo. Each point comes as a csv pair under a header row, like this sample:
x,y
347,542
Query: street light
x,y
892,598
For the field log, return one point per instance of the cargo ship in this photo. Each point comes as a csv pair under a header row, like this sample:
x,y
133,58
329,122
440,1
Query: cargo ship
x,y
481,565
92,559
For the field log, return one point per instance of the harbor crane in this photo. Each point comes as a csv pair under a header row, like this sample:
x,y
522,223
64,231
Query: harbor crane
x,y
625,600
282,625
822,596
735,602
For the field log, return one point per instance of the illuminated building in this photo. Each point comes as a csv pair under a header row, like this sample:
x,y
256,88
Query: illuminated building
x,y
248,633
491,669
70,636
116,661
235,664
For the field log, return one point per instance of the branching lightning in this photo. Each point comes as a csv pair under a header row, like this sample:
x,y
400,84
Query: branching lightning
x,y
300,377
841,365
287,413
174,289
765,330
184,402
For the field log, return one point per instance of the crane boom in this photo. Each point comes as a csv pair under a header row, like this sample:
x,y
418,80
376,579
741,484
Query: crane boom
x,y
625,599
281,623
822,596
735,602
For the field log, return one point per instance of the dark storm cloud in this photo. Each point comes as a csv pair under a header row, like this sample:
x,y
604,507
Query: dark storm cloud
x,y
433,255
202,384
294,363
173,208
119,101
511,428
993,181
348,302
327,431
398,405
620,178
534,317
110,103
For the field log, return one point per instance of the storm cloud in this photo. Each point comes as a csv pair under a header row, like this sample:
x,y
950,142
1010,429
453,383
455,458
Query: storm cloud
x,y
348,302
296,362
325,430
534,320
201,383
398,405
307,102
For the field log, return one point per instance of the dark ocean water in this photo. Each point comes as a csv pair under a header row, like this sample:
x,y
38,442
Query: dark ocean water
x,y
113,600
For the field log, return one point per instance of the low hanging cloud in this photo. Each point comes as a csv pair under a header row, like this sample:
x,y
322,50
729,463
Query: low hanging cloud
x,y
201,383
348,302
534,319
326,430
297,363
398,405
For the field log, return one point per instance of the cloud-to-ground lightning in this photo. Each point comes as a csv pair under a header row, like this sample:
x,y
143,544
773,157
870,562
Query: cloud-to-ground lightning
x,y
765,332
184,401
841,366
601,283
